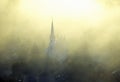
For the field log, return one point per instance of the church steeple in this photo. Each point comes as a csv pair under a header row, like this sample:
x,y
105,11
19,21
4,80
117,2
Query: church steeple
x,y
52,40
52,35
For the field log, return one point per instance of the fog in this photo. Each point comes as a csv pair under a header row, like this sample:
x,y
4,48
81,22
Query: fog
x,y
92,44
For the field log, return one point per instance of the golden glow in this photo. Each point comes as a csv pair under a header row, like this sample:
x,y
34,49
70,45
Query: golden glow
x,y
62,7
91,25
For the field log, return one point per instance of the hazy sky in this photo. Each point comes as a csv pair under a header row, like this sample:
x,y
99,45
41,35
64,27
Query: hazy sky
x,y
96,20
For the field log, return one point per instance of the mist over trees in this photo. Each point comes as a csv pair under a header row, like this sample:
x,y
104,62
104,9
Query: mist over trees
x,y
93,55
81,65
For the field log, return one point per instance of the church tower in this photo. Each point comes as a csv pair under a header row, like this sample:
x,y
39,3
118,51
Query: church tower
x,y
50,55
52,36
51,46
55,56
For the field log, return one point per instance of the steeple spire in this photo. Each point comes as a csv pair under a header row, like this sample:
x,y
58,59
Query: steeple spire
x,y
52,40
52,36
